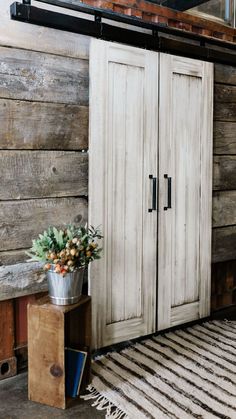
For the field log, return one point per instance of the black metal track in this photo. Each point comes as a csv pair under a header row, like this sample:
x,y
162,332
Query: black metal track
x,y
157,41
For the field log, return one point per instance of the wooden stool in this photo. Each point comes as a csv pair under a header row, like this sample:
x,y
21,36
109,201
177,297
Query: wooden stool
x,y
51,328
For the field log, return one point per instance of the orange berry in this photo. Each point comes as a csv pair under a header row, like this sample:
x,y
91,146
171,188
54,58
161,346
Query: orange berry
x,y
47,266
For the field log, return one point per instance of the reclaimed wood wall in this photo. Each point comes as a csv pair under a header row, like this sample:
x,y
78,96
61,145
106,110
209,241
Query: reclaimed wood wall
x,y
224,189
43,130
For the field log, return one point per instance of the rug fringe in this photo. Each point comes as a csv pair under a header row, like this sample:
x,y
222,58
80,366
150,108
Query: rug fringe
x,y
101,403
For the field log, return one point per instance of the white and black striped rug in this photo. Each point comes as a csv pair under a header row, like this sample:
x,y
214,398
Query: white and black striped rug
x,y
185,374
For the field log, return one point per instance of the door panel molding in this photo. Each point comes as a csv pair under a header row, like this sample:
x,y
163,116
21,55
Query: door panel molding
x,y
122,154
185,150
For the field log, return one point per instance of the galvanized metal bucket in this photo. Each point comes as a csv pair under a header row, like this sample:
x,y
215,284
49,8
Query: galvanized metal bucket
x,y
64,290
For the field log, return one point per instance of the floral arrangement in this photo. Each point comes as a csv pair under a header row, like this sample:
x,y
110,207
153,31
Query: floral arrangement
x,y
66,250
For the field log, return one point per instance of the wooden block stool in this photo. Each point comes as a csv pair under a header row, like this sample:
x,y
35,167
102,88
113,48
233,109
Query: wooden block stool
x,y
51,328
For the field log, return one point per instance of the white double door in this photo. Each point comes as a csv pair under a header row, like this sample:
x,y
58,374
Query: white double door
x,y
150,183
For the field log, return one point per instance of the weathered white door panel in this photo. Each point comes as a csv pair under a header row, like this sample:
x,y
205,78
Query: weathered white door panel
x,y
122,154
185,150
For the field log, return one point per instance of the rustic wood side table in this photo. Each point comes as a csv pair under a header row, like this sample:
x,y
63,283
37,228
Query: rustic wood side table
x,y
51,328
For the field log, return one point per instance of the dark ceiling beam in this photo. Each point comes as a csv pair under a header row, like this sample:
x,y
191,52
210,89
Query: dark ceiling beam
x,y
182,5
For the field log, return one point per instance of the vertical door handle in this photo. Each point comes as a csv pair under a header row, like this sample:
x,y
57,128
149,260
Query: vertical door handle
x,y
168,192
154,193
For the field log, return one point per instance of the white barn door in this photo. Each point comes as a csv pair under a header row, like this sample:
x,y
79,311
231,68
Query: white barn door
x,y
185,180
122,154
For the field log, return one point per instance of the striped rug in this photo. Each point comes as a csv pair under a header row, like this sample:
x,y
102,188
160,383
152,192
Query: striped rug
x,y
184,374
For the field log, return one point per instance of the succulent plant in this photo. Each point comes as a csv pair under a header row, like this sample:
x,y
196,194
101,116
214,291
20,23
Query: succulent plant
x,y
66,250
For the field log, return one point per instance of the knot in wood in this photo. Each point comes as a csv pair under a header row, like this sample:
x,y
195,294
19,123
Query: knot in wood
x,y
56,370
78,218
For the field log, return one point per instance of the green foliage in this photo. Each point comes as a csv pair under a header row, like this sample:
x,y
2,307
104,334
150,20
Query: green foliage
x,y
67,249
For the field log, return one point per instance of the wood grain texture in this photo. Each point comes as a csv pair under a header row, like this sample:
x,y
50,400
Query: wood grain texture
x,y
13,257
22,221
46,126
225,112
20,307
186,146
124,292
223,284
41,174
206,190
7,329
224,74
41,77
186,96
51,328
224,137
21,279
224,93
22,35
224,173
187,313
46,359
224,208
223,244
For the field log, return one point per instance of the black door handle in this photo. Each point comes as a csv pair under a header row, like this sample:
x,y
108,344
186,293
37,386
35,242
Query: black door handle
x,y
154,193
168,192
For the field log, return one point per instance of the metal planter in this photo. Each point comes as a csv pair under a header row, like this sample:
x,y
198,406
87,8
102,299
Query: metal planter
x,y
64,290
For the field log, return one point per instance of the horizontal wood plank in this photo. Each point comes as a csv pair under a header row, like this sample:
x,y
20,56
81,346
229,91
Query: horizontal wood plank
x,y
224,208
224,137
225,74
225,112
223,244
21,279
224,93
23,35
42,77
48,126
12,257
224,173
39,174
22,221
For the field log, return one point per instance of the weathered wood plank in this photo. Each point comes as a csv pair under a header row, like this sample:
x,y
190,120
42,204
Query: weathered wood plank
x,y
36,125
42,174
21,279
12,257
7,329
225,112
225,74
223,284
23,35
224,208
22,221
224,93
46,354
42,77
224,244
224,173
224,137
